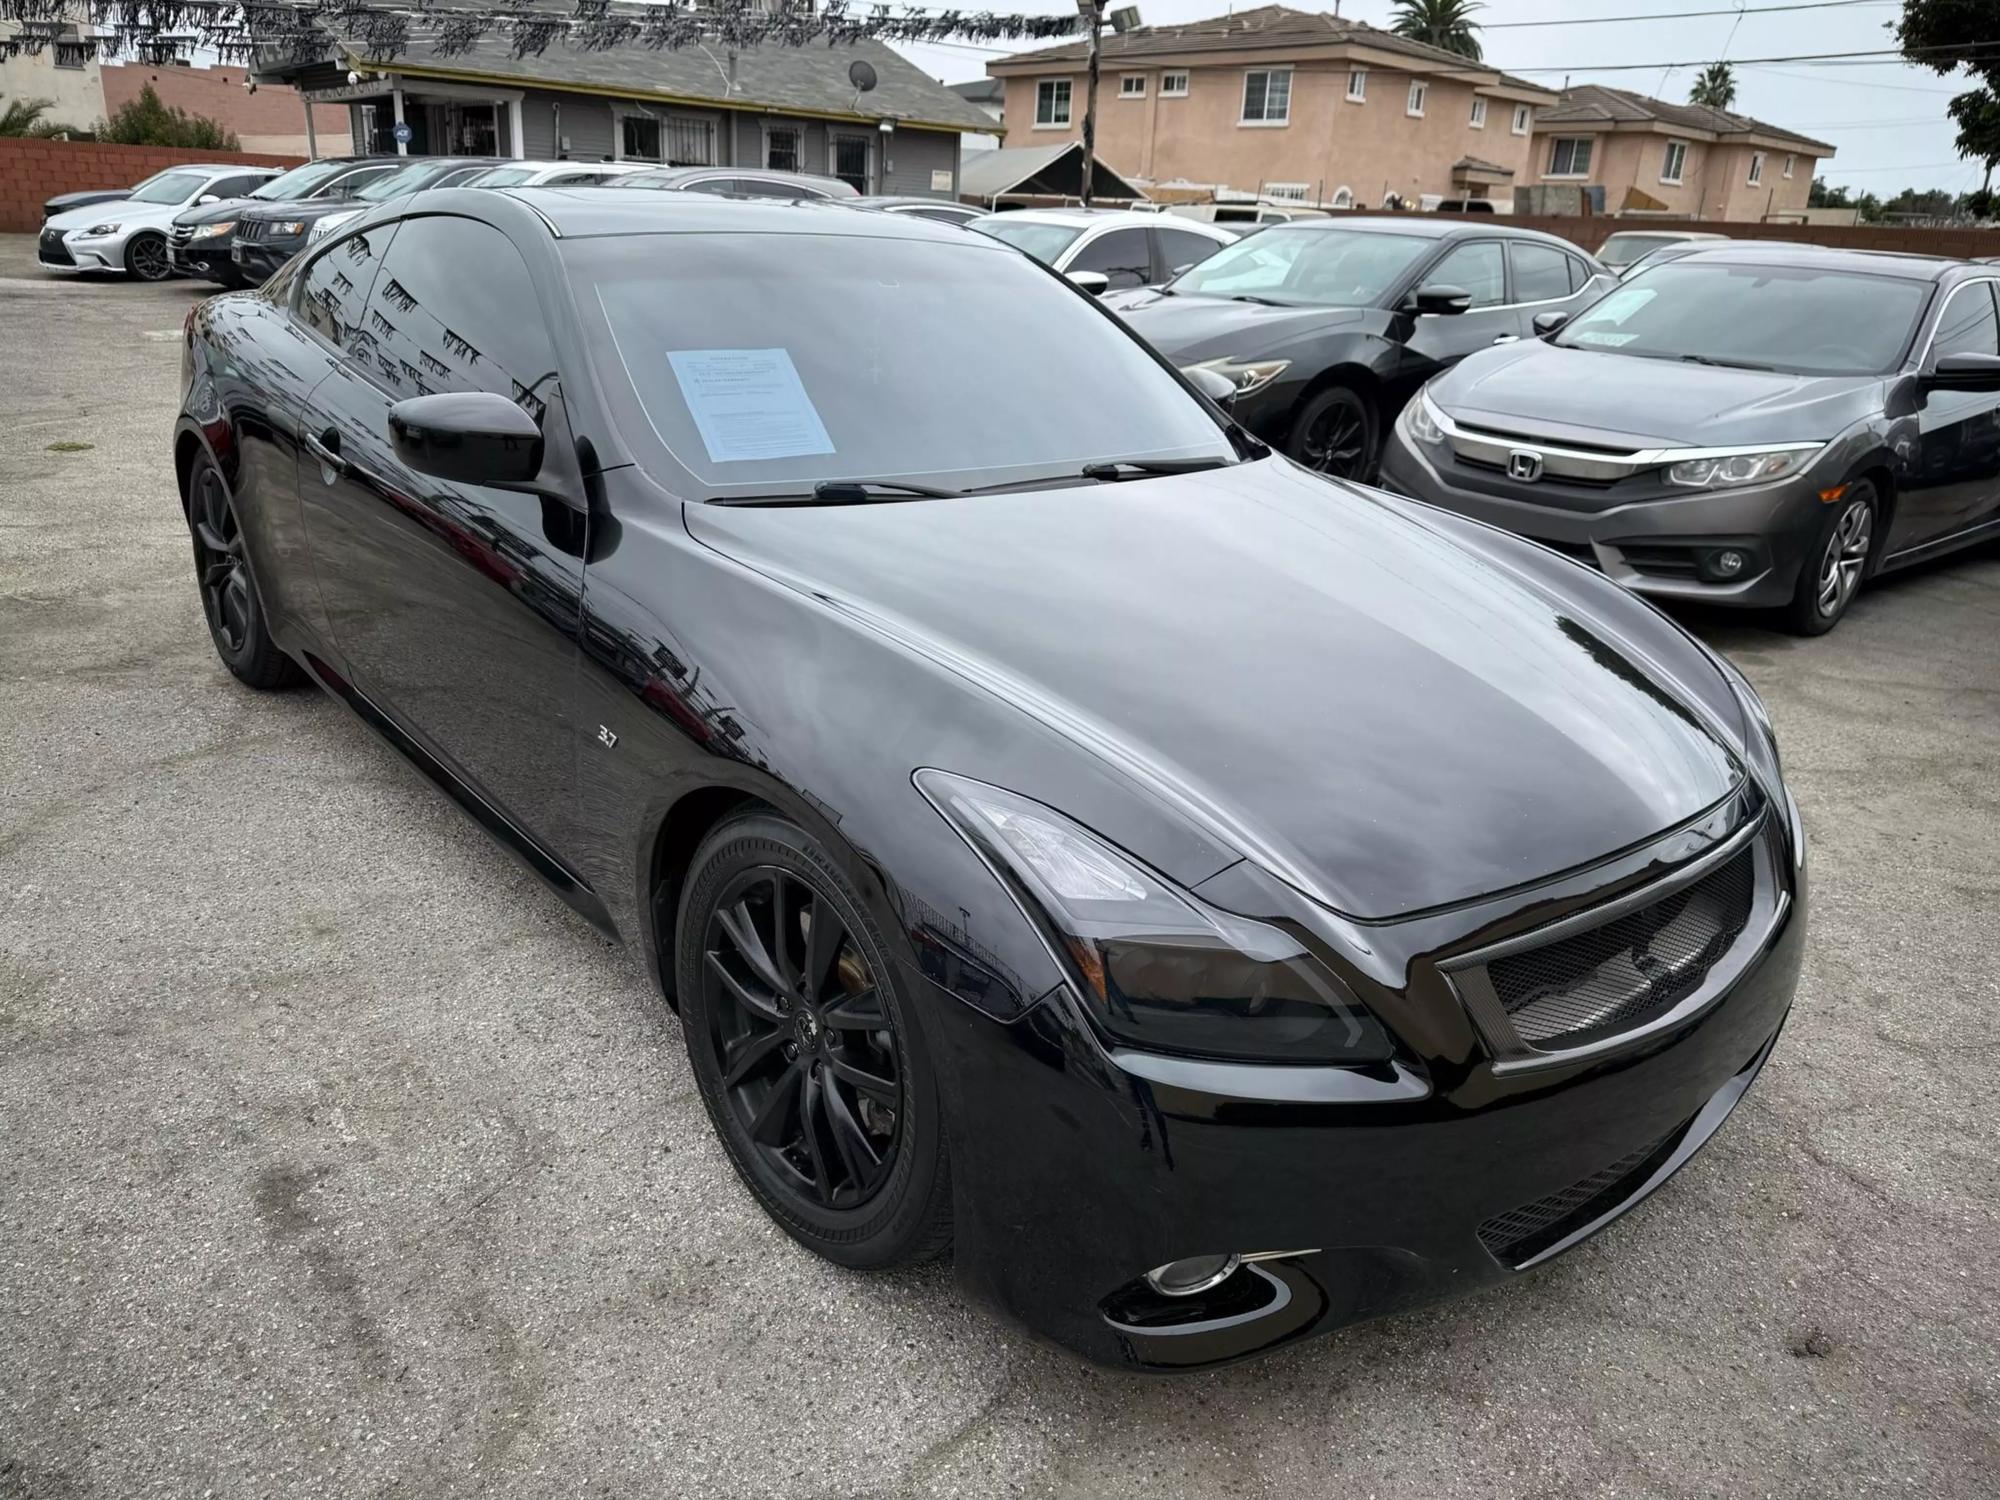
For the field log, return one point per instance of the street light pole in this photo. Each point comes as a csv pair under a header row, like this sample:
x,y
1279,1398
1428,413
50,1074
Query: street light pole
x,y
1093,17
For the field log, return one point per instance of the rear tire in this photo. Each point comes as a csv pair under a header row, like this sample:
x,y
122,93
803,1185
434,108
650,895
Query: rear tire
x,y
1837,561
146,258
1334,433
229,598
807,1054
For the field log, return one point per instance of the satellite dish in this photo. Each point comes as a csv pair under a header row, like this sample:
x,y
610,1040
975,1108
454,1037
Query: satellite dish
x,y
861,74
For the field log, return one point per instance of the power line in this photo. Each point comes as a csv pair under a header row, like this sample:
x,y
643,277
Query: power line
x,y
1680,15
1857,83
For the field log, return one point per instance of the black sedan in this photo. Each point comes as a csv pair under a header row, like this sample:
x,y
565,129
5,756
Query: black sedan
x,y
200,239
271,234
1326,326
1217,904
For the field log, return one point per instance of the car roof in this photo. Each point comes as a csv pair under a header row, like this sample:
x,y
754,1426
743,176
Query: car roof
x,y
1417,226
594,211
1075,217
1667,231
897,200
1823,257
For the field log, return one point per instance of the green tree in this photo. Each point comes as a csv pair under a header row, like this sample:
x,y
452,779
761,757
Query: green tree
x,y
24,117
1944,36
1823,196
1716,87
1442,23
146,121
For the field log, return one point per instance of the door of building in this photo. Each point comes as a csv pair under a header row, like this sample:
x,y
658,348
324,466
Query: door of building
x,y
852,161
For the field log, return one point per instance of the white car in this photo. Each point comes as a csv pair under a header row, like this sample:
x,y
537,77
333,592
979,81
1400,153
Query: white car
x,y
556,173
1108,249
130,235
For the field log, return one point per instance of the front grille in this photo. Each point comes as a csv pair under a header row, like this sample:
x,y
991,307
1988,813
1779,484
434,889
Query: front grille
x,y
250,229
52,249
1580,989
1551,471
179,235
1520,1234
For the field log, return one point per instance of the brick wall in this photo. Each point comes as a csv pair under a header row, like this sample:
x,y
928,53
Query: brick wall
x,y
1590,233
32,171
275,110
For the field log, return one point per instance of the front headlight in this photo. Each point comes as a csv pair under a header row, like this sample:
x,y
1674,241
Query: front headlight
x,y
213,231
1157,967
285,228
97,231
1423,420
1740,468
1246,375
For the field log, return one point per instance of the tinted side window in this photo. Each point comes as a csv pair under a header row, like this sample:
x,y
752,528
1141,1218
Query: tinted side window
x,y
1541,273
1178,248
1968,325
1473,268
236,187
431,327
333,295
764,187
1120,255
715,185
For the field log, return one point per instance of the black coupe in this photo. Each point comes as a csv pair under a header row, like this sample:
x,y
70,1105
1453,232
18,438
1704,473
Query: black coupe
x,y
1218,904
1327,326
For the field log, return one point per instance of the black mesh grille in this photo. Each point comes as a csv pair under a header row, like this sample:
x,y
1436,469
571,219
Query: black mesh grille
x,y
1611,978
53,250
1522,1233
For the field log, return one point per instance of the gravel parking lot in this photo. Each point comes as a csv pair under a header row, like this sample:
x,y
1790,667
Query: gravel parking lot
x,y
340,1158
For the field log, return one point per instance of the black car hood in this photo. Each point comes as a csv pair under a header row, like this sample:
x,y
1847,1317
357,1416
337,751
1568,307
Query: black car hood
x,y
1188,326
302,208
1540,388
1380,715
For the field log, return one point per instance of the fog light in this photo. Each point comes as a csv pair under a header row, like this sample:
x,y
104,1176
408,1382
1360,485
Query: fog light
x,y
1727,563
1198,1273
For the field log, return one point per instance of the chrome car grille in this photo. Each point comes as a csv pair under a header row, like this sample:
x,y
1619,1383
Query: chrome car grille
x,y
179,235
1489,448
1597,976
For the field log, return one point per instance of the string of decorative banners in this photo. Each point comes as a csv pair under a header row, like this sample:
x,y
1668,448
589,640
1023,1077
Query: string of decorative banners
x,y
168,31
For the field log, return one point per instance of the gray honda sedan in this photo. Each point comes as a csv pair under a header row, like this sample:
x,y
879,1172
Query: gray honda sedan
x,y
1764,427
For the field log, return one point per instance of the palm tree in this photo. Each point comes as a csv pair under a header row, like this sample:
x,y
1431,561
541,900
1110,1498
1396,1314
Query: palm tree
x,y
1716,87
21,117
1442,23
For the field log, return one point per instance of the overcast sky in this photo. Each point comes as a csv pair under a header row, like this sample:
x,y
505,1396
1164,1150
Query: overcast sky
x,y
1886,118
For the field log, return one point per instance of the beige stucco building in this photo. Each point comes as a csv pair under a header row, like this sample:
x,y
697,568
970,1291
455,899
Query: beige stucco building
x,y
1285,103
1677,159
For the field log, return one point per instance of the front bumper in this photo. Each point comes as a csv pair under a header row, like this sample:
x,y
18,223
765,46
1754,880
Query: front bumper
x,y
1656,545
1078,1168
211,260
70,250
259,260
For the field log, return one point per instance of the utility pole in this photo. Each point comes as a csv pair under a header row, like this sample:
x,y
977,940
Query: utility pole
x,y
1092,12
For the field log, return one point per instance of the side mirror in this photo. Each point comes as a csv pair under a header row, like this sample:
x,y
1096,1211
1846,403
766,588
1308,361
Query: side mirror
x,y
1963,372
1094,282
1445,301
468,437
1213,384
1548,322
1181,270
207,198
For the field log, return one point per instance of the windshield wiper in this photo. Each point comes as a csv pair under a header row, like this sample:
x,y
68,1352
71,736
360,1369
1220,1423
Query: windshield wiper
x,y
1125,468
1724,364
1253,297
843,492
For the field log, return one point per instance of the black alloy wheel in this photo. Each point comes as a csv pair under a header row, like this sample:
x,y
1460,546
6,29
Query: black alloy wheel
x,y
1334,434
801,1044
228,593
146,257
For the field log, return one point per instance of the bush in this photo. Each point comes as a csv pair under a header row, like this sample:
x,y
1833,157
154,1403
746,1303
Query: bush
x,y
145,121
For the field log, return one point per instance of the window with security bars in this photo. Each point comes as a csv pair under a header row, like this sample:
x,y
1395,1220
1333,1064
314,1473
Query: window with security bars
x,y
781,148
689,143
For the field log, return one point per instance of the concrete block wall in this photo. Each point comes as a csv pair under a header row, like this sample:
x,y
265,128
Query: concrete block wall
x,y
33,171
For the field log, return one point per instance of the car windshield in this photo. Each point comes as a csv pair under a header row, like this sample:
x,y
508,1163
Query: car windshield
x,y
1304,266
501,177
403,180
1043,241
302,182
1623,249
170,187
768,363
1795,319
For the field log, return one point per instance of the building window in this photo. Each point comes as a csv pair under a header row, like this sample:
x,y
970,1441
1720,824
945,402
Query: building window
x,y
70,55
1287,192
1569,156
1173,85
1052,104
1756,167
1674,163
1343,197
1132,86
1267,96
1478,113
1414,105
640,138
1522,117
1790,162
1357,85
781,148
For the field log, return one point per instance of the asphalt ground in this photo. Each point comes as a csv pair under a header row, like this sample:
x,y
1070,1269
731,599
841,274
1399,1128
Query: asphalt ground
x,y
337,1157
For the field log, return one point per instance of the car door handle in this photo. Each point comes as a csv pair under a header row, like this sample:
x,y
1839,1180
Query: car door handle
x,y
1508,338
326,448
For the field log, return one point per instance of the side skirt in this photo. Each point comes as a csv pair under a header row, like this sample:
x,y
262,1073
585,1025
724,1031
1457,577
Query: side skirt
x,y
559,877
1938,546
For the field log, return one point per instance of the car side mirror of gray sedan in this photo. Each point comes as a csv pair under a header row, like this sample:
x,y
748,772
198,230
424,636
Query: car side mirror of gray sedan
x,y
468,437
1963,372
1548,322
1094,282
1445,301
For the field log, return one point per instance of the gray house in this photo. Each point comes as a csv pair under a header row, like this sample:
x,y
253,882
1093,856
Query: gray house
x,y
792,108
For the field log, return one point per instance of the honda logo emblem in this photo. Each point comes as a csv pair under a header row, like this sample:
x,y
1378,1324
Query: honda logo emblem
x,y
1524,465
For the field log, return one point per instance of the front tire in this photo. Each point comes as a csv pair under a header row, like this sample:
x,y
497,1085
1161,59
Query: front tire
x,y
805,1048
1334,432
1837,561
229,598
146,258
